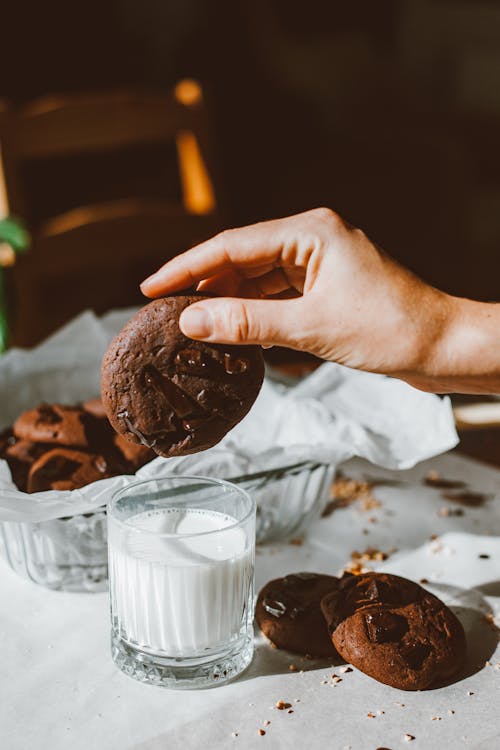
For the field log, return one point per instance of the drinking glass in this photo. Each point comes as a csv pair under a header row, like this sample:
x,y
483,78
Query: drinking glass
x,y
181,576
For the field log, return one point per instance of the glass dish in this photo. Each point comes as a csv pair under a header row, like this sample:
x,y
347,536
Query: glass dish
x,y
70,554
67,554
288,498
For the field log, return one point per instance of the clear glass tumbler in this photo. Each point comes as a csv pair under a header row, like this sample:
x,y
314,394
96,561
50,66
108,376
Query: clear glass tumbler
x,y
181,577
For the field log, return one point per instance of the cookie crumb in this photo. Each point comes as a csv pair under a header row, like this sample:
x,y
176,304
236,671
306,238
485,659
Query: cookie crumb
x,y
436,718
469,692
370,554
281,705
380,713
261,732
370,715
290,711
336,679
484,556
345,670
266,723
451,712
234,734
297,542
292,668
408,737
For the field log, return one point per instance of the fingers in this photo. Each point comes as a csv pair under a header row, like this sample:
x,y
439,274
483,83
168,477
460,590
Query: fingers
x,y
247,321
251,247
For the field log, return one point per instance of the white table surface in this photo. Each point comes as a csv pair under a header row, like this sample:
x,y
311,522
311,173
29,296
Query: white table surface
x,y
59,688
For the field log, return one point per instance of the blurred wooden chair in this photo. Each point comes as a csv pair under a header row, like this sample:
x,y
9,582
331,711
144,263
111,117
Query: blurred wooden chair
x,y
94,256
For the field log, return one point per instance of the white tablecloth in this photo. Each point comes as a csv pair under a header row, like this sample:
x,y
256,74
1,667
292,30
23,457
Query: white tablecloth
x,y
59,688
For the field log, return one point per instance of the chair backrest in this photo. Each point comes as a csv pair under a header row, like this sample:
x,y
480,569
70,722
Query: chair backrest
x,y
83,124
94,256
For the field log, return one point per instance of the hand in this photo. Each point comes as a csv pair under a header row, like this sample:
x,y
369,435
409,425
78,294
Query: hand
x,y
314,283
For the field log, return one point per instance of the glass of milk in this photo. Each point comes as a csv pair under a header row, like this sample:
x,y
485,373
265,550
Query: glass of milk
x,y
181,578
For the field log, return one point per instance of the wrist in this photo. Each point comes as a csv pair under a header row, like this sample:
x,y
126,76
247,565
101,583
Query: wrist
x,y
464,354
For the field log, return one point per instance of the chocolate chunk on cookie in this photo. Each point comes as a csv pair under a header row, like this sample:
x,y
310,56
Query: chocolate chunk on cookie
x,y
61,425
173,394
288,612
66,469
394,630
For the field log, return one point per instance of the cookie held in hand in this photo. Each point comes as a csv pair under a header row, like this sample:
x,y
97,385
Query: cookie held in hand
x,y
394,630
171,393
288,612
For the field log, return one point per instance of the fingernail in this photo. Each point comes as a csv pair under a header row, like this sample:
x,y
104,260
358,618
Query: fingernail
x,y
196,323
144,284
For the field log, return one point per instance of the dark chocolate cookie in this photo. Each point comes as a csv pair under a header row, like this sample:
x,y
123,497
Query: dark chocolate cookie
x,y
394,630
66,469
171,393
288,612
95,407
133,454
62,425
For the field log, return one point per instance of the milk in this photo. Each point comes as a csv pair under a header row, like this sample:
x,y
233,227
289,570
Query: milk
x,y
179,596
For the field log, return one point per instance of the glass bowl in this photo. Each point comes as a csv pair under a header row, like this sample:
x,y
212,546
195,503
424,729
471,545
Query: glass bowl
x,y
289,498
70,554
67,554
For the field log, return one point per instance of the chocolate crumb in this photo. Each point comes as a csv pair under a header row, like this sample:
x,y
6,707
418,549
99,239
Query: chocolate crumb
x,y
434,479
370,715
346,669
483,556
261,732
467,498
408,737
290,711
281,705
266,723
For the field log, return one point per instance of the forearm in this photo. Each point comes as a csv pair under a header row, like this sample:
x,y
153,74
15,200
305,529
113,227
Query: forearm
x,y
465,358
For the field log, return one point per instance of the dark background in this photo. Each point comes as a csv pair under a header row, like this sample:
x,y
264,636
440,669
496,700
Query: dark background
x,y
386,110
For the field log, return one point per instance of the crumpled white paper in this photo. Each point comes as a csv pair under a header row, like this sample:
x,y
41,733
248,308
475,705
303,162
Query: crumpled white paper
x,y
330,416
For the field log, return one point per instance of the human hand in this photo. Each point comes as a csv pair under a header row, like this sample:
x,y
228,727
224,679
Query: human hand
x,y
314,283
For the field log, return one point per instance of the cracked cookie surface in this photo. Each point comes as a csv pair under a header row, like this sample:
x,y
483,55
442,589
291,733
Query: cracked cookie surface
x,y
173,394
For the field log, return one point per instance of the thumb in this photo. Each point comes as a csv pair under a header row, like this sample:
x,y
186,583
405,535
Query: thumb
x,y
228,320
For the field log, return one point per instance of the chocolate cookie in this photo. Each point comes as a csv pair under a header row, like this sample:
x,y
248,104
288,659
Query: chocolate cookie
x,y
95,407
135,455
171,393
394,630
62,425
288,612
66,469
